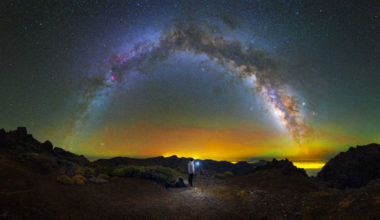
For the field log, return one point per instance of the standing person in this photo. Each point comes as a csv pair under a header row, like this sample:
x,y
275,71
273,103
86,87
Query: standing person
x,y
191,170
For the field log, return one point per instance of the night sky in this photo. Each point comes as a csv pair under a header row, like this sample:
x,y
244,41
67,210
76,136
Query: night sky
x,y
226,80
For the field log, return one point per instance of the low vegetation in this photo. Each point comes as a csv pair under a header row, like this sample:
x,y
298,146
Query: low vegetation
x,y
85,171
224,175
79,179
159,174
67,180
180,170
104,176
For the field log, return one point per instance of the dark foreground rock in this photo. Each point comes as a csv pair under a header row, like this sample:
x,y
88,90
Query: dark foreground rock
x,y
19,142
61,153
354,168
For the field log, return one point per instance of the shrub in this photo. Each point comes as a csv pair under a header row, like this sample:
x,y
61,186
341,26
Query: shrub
x,y
64,179
85,171
134,171
128,171
79,179
180,170
104,170
224,175
89,171
159,177
157,173
79,170
104,176
164,174
117,172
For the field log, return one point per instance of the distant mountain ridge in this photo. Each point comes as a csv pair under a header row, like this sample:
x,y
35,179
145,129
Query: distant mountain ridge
x,y
20,141
354,168
239,168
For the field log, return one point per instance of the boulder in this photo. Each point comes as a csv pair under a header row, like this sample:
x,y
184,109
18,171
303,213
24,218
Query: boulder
x,y
98,180
179,182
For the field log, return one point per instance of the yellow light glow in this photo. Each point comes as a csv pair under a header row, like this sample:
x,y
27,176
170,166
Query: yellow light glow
x,y
309,165
245,142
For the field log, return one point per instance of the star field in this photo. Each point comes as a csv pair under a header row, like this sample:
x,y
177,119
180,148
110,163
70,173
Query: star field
x,y
228,80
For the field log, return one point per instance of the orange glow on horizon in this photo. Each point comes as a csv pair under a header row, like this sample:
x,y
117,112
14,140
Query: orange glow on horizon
x,y
231,144
235,143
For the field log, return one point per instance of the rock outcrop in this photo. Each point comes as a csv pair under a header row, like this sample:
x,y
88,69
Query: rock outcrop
x,y
354,168
47,146
66,155
19,141
286,167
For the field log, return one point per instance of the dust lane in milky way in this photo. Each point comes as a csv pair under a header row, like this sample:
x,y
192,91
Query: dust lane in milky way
x,y
253,64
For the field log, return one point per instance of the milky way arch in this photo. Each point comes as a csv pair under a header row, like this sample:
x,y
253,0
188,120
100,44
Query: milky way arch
x,y
248,63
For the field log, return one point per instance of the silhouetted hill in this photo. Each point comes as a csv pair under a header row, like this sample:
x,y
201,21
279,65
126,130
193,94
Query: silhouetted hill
x,y
19,141
354,168
174,162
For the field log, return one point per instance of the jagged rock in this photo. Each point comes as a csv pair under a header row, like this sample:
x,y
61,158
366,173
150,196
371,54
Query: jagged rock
x,y
2,137
2,133
21,131
61,153
18,134
47,146
19,140
354,168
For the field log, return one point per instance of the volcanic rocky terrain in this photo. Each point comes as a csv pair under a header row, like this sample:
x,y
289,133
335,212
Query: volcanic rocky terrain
x,y
40,181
